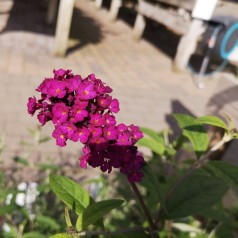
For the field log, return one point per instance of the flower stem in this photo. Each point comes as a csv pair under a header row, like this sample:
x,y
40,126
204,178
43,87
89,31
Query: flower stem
x,y
147,214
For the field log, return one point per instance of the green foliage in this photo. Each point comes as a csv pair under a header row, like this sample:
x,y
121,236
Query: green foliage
x,y
195,193
70,192
97,210
152,134
194,131
150,181
223,170
182,194
152,144
61,235
212,120
33,234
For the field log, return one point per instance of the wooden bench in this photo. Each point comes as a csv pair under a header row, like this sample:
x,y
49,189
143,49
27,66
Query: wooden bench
x,y
166,12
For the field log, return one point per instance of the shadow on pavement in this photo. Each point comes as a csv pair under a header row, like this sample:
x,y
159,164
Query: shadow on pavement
x,y
84,29
176,107
30,16
219,100
155,33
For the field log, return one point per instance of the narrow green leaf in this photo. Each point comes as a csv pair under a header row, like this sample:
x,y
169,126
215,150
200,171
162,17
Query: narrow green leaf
x,y
155,146
194,131
212,120
33,234
152,134
20,160
61,235
71,193
186,227
195,193
226,171
46,166
98,209
44,139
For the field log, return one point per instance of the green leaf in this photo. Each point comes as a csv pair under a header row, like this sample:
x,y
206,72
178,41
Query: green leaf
x,y
79,222
184,120
226,171
20,160
46,166
197,192
33,234
194,131
154,135
151,183
216,214
212,120
12,233
186,227
44,139
132,234
7,209
226,229
61,235
155,146
47,222
71,193
98,209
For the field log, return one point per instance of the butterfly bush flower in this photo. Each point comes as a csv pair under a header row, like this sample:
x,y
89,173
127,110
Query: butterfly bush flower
x,y
82,110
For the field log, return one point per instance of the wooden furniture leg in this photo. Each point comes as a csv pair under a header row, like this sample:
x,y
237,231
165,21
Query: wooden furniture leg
x,y
114,9
187,45
139,27
63,26
98,3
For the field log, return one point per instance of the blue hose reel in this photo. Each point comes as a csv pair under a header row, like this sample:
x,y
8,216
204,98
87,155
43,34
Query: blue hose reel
x,y
219,44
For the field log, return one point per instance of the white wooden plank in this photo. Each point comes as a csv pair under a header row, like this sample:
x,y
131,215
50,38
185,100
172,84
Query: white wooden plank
x,y
98,3
63,26
139,27
187,45
165,17
114,9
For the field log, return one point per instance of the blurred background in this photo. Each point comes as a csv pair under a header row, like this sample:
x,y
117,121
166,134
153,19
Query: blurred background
x,y
102,41
156,55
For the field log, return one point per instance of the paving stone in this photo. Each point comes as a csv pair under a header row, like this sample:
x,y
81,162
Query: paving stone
x,y
139,72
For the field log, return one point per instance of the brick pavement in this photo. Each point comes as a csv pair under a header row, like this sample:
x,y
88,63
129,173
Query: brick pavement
x,y
139,73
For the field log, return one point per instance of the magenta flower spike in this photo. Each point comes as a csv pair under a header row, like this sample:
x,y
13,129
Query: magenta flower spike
x,y
82,110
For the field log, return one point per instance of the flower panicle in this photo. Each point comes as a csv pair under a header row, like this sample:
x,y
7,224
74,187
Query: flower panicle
x,y
81,109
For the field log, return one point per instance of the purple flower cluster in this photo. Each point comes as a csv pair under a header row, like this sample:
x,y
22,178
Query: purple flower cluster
x,y
82,110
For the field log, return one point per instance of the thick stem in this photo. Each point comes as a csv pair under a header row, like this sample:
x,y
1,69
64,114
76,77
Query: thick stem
x,y
152,225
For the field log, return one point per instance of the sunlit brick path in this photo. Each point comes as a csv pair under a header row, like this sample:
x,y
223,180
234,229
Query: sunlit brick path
x,y
139,73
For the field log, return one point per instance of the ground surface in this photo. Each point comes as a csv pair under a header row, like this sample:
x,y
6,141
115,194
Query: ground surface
x,y
139,72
